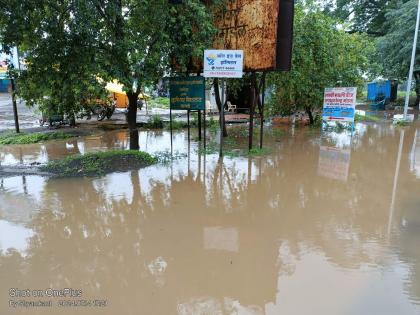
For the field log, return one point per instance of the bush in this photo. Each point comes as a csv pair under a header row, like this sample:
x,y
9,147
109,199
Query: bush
x,y
154,122
99,163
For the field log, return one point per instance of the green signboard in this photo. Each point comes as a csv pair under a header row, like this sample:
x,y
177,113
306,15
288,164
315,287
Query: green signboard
x,y
187,93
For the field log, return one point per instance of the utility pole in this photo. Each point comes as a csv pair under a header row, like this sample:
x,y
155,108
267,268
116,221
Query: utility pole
x,y
15,112
413,57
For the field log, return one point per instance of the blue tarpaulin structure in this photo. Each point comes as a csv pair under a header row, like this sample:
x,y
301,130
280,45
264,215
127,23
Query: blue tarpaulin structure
x,y
384,89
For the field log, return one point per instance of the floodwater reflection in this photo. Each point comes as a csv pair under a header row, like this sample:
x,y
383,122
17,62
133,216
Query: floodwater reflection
x,y
151,141
262,235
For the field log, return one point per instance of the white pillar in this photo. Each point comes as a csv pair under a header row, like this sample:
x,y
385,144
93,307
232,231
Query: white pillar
x,y
413,57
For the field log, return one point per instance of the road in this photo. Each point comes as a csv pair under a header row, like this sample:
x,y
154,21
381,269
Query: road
x,y
28,118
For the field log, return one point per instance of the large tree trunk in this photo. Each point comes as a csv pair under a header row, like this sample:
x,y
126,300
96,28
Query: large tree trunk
x,y
72,119
219,103
311,116
132,120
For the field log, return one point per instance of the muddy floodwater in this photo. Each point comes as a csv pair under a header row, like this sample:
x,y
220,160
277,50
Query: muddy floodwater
x,y
324,224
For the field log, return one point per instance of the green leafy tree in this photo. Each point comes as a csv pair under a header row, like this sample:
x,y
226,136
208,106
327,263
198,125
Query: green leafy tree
x,y
57,38
140,40
366,16
323,56
396,45
69,44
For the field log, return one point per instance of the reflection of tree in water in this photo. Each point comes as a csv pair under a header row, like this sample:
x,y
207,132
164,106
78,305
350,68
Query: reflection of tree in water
x,y
149,243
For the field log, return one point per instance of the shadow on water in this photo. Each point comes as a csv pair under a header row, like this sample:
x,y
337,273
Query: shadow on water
x,y
304,230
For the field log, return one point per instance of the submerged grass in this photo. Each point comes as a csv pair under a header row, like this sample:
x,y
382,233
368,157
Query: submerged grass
x,y
232,153
366,118
27,138
401,123
231,150
154,122
165,157
99,163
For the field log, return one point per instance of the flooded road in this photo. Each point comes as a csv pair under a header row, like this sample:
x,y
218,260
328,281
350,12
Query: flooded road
x,y
28,118
322,225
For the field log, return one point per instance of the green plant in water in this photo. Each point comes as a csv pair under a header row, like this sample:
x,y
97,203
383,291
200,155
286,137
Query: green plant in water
x,y
165,157
212,125
366,118
401,123
277,133
259,151
176,125
154,122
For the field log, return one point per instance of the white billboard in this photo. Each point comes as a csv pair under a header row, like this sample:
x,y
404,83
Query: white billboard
x,y
339,104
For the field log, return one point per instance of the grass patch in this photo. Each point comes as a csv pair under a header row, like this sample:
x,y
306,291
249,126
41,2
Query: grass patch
x,y
159,102
366,118
99,163
27,138
259,151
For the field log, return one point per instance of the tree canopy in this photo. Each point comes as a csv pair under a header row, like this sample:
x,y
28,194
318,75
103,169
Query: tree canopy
x,y
391,24
59,52
396,45
69,44
323,56
367,16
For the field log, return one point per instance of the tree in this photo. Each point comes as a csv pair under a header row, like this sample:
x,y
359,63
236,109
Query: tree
x,y
323,56
75,42
59,52
139,41
391,24
365,16
396,45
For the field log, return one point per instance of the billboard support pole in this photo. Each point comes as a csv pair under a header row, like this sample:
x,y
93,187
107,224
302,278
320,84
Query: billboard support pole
x,y
262,110
251,111
204,127
199,125
170,127
199,111
188,123
222,118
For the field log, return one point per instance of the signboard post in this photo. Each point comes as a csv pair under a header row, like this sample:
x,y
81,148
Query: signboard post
x,y
339,104
186,93
223,64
